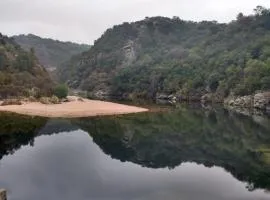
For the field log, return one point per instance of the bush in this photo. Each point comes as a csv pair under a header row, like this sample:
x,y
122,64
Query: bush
x,y
61,91
80,99
32,99
54,100
11,102
45,100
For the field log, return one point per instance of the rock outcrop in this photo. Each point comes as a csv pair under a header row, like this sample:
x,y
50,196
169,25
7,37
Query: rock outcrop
x,y
244,101
260,100
166,97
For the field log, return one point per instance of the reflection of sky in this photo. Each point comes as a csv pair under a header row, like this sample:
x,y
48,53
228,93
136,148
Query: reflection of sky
x,y
69,166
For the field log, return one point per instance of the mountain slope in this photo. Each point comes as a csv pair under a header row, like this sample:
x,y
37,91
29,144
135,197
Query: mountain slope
x,y
172,56
20,71
50,52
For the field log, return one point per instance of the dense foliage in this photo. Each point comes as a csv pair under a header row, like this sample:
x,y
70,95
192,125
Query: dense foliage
x,y
20,72
172,56
61,91
50,52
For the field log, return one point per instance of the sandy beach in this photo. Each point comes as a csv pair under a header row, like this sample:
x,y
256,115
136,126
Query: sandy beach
x,y
72,109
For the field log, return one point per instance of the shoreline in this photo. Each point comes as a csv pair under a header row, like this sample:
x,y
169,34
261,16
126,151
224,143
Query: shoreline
x,y
73,109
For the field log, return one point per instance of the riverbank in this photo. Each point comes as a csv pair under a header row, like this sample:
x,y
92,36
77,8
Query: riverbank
x,y
73,109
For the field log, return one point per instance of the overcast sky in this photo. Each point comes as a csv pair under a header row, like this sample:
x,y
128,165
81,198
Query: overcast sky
x,y
84,21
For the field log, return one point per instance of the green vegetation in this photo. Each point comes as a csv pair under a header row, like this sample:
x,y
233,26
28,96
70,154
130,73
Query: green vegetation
x,y
50,53
20,72
61,91
172,56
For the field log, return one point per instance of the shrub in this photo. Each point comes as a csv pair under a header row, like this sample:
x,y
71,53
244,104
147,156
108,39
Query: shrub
x,y
45,100
32,99
61,91
54,99
34,92
11,102
80,99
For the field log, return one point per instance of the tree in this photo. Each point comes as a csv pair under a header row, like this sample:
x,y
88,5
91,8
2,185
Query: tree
x,y
265,81
240,16
2,60
260,10
61,91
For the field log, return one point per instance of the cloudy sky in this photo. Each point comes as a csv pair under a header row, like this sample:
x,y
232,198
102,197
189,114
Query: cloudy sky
x,y
84,21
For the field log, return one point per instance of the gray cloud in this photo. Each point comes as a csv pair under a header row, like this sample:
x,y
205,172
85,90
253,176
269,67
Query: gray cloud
x,y
85,20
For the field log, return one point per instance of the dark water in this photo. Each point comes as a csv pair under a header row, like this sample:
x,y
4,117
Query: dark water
x,y
182,154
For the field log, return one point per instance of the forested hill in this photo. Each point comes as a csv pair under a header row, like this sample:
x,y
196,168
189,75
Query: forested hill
x,y
51,53
20,71
172,56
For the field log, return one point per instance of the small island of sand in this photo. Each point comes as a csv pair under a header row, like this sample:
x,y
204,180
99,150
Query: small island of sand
x,y
75,108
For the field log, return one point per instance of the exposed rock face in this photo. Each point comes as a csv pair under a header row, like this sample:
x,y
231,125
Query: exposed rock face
x,y
259,101
262,100
244,101
129,52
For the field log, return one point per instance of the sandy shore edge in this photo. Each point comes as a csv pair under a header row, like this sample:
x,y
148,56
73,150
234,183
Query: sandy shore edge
x,y
74,109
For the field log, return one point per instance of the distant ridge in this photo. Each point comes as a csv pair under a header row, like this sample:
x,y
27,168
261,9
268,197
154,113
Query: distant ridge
x,y
51,53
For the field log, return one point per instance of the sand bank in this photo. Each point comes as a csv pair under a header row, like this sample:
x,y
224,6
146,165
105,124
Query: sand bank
x,y
72,109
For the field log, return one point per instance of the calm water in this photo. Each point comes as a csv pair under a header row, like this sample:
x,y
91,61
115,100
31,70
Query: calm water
x,y
181,154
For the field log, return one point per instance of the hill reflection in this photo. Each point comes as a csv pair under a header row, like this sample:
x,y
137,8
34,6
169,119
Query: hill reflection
x,y
240,144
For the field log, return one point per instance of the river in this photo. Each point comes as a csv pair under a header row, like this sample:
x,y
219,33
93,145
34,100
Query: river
x,y
186,153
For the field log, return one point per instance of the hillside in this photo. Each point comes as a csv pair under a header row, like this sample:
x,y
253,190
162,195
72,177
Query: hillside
x,y
51,53
20,72
160,55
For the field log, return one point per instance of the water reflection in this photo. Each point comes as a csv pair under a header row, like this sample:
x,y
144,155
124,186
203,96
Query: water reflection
x,y
17,130
235,142
65,160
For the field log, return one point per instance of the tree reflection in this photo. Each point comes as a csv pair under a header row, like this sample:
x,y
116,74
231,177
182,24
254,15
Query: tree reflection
x,y
217,137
